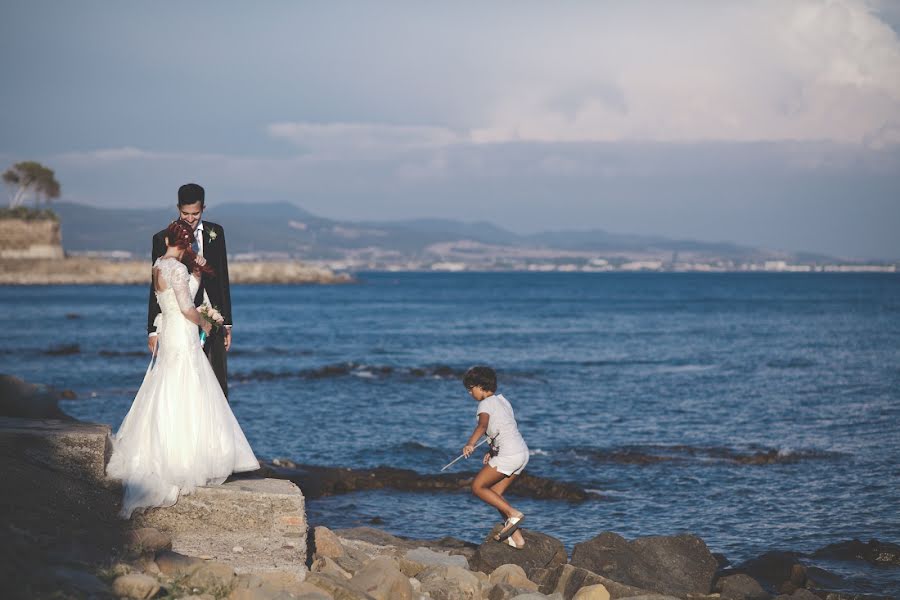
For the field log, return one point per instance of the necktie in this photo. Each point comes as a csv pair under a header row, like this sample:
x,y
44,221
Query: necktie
x,y
196,245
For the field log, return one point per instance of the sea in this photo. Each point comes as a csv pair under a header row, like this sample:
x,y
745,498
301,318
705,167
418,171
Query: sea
x,y
759,411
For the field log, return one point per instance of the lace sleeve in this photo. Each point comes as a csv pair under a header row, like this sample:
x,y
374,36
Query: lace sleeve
x,y
179,280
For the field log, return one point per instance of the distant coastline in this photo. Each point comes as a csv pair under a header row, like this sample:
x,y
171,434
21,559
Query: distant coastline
x,y
96,271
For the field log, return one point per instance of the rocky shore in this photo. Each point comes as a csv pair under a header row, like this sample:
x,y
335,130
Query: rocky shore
x,y
96,271
249,540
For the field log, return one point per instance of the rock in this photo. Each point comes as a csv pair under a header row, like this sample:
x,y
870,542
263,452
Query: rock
x,y
327,543
147,539
381,578
174,564
340,589
740,587
352,560
502,591
567,580
592,592
317,481
277,585
514,575
822,579
135,586
673,565
431,558
781,571
410,568
323,564
541,551
873,552
537,596
803,594
450,583
73,580
211,576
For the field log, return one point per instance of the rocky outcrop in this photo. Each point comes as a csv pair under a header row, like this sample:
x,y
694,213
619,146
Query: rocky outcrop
x,y
30,239
317,481
874,552
673,565
781,572
21,399
541,551
97,271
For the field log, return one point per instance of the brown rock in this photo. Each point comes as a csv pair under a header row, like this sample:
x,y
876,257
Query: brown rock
x,y
174,564
450,583
514,575
325,565
212,576
597,591
381,578
135,586
147,539
504,591
339,589
327,543
567,580
740,587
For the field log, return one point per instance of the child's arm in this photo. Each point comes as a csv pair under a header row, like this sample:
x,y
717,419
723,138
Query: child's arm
x,y
469,448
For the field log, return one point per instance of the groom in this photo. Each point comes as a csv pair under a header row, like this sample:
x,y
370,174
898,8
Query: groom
x,y
209,242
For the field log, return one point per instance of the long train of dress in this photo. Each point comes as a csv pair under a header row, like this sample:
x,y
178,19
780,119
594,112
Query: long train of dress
x,y
180,432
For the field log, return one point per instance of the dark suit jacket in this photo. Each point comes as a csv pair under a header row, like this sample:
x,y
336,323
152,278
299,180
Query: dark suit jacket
x,y
216,286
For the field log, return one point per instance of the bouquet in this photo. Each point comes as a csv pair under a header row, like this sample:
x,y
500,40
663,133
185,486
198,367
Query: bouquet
x,y
214,317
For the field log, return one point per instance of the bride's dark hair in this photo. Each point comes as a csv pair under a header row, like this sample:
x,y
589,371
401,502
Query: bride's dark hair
x,y
181,235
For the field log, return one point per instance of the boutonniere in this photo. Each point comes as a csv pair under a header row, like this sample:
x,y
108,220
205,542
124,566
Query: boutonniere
x,y
212,234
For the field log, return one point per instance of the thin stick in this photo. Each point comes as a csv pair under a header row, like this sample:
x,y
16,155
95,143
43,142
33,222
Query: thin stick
x,y
453,462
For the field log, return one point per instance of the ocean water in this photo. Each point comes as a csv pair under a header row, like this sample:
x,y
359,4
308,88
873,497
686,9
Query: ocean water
x,y
758,411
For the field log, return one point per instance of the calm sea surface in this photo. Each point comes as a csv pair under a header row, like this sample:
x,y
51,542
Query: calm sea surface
x,y
659,391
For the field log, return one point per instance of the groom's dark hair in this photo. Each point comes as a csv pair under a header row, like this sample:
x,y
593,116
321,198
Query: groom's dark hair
x,y
191,193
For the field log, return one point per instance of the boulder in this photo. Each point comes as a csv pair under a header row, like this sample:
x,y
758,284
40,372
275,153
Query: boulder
x,y
592,592
211,576
450,583
19,398
381,579
432,558
873,552
327,543
276,585
147,539
674,565
781,571
740,587
339,589
514,575
541,551
567,580
537,596
136,586
174,564
503,591
323,564
799,594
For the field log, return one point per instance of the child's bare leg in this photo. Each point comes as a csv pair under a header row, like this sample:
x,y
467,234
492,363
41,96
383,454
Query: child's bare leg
x,y
482,486
500,488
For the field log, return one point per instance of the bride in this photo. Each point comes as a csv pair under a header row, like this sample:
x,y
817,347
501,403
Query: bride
x,y
180,432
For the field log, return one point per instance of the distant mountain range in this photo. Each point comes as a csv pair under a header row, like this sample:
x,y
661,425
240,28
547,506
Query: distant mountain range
x,y
287,230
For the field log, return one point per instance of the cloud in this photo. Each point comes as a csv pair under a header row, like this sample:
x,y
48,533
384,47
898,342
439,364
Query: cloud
x,y
345,140
728,71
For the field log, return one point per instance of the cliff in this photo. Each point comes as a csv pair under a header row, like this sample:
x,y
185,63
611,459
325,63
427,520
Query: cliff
x,y
30,239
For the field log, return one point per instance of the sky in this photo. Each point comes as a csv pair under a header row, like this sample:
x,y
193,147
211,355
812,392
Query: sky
x,y
770,123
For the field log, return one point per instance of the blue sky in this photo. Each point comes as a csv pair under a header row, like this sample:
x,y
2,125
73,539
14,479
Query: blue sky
x,y
767,123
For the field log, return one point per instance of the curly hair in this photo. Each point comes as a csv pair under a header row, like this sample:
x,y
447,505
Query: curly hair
x,y
180,234
481,376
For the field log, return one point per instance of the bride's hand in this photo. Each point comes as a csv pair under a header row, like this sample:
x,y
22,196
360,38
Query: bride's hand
x,y
206,326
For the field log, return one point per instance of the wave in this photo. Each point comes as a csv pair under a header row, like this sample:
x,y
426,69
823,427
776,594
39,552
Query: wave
x,y
684,454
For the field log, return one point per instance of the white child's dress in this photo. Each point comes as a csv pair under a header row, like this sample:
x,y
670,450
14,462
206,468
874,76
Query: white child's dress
x,y
511,450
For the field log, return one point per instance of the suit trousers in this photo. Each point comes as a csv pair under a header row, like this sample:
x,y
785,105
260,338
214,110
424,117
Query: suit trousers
x,y
218,357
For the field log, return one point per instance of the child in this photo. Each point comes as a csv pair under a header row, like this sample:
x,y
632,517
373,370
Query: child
x,y
508,455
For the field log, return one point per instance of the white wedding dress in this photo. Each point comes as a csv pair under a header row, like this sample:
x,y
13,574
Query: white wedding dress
x,y
180,432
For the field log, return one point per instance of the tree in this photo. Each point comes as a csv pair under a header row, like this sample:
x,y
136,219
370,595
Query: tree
x,y
30,178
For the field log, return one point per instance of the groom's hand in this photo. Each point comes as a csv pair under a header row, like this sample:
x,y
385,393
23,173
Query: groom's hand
x,y
152,340
227,339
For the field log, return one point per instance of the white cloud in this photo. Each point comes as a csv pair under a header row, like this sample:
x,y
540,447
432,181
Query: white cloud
x,y
351,139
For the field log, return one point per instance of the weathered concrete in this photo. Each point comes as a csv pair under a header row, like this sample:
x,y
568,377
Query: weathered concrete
x,y
255,525
71,447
